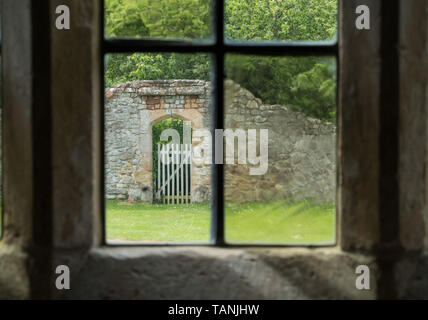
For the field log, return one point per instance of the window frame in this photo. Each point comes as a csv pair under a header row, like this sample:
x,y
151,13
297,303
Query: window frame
x,y
217,47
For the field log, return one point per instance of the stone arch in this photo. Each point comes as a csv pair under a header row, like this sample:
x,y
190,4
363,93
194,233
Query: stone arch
x,y
196,120
200,185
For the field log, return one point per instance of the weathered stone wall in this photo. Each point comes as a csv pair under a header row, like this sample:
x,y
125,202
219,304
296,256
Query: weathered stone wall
x,y
301,150
131,109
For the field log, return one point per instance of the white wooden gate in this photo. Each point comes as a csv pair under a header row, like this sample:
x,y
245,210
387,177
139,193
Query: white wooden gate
x,y
174,179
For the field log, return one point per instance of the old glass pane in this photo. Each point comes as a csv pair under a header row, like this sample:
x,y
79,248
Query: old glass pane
x,y
157,191
280,20
280,149
174,19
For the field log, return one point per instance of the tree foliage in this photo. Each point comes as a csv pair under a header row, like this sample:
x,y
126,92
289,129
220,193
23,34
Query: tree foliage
x,y
156,66
186,19
125,18
305,83
290,20
314,91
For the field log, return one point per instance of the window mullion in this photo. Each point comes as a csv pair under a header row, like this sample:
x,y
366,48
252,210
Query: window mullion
x,y
217,122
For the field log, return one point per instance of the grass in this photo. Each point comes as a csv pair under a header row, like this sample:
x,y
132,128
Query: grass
x,y
261,222
157,222
280,222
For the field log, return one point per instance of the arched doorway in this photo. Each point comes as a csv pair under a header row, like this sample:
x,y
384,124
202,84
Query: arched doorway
x,y
172,165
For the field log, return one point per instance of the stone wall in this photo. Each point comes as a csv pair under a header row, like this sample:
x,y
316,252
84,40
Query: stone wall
x,y
131,109
301,150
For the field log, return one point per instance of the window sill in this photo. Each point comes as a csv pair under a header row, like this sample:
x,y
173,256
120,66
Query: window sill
x,y
206,272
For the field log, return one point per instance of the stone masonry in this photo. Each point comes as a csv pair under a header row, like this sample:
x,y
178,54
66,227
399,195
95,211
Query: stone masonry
x,y
302,152
302,158
131,110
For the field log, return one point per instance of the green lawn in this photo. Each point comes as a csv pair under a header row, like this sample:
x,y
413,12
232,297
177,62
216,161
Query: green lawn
x,y
272,222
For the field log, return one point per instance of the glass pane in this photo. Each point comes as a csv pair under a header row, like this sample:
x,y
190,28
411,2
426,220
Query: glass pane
x,y
280,20
176,19
280,173
157,187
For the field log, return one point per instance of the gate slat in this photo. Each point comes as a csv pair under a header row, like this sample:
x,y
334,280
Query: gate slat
x,y
177,167
187,173
159,176
167,173
172,173
163,173
191,169
181,172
